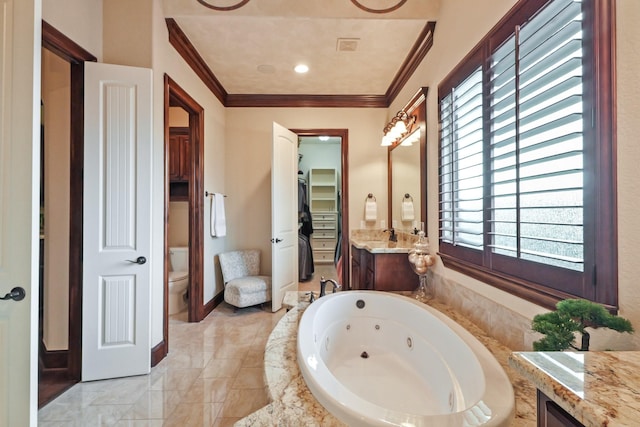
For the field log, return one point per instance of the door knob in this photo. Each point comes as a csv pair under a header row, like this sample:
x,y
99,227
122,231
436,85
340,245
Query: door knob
x,y
16,294
276,240
140,260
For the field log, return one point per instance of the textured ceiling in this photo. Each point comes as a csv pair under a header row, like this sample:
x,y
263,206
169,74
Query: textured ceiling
x,y
253,49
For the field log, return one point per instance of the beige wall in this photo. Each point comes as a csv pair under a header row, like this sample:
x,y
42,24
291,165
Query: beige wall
x,y
178,224
249,166
80,20
127,33
56,99
165,59
628,63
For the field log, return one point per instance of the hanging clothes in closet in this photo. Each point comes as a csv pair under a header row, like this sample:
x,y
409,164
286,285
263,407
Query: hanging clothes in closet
x,y
305,229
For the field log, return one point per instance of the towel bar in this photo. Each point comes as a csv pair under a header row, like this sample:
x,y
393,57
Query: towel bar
x,y
207,194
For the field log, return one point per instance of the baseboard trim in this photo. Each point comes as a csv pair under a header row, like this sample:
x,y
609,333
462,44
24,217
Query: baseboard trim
x,y
158,353
215,301
54,359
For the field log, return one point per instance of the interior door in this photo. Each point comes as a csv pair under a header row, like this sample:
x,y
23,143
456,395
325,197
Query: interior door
x,y
19,209
117,226
284,214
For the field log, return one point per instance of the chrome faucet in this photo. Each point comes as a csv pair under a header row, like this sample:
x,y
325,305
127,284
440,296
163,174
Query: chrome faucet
x,y
323,285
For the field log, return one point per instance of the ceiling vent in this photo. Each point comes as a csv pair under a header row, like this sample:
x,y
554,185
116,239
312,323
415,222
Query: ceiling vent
x,y
347,45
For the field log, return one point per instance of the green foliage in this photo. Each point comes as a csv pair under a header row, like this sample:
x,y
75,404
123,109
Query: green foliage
x,y
573,315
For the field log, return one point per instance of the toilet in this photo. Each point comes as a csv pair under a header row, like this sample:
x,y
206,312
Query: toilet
x,y
178,279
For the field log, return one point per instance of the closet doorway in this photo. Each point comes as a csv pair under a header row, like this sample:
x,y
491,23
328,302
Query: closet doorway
x,y
323,173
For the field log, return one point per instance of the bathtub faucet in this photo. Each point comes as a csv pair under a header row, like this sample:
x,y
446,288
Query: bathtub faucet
x,y
323,285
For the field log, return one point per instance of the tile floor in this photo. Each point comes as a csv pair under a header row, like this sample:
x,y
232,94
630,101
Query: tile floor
x,y
212,376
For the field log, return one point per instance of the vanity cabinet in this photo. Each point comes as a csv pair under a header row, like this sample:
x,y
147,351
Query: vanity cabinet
x,y
381,271
179,154
552,415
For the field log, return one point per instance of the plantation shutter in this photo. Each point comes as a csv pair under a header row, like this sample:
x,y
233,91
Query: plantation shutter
x,y
536,140
461,164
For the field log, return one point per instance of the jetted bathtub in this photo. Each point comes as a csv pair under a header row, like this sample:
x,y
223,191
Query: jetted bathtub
x,y
373,358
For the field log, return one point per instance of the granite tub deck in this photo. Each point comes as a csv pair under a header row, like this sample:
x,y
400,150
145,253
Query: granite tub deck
x,y
292,404
596,388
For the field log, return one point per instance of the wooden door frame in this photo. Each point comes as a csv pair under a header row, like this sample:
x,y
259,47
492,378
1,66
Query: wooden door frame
x,y
62,46
174,95
344,191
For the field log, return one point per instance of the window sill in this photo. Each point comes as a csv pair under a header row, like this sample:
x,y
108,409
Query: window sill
x,y
532,292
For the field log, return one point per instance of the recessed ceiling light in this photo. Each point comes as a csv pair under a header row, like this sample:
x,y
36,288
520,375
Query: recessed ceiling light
x,y
301,68
323,138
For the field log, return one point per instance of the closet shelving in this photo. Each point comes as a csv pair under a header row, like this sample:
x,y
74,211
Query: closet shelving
x,y
323,196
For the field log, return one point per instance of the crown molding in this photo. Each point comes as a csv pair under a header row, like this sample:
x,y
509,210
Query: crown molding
x,y
417,53
179,40
309,101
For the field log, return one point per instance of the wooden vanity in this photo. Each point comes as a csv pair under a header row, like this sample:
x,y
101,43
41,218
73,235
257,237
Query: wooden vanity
x,y
381,266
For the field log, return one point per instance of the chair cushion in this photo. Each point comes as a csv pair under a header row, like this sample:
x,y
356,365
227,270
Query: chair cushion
x,y
248,290
238,264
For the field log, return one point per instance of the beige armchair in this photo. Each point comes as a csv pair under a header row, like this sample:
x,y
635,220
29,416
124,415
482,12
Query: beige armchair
x,y
243,284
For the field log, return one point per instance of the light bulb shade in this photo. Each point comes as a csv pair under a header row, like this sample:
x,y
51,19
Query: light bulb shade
x,y
400,128
411,138
387,141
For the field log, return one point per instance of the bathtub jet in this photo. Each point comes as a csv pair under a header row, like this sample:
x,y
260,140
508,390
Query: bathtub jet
x,y
398,362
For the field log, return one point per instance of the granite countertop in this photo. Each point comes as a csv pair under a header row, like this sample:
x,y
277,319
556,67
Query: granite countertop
x,y
596,388
293,404
377,241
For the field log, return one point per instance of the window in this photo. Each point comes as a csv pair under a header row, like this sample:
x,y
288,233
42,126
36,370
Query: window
x,y
527,191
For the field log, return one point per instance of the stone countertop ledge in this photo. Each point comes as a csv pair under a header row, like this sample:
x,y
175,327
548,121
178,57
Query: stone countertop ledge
x,y
377,241
596,388
292,404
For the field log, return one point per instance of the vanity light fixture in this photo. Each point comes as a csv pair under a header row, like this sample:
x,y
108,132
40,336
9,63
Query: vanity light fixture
x,y
412,138
398,128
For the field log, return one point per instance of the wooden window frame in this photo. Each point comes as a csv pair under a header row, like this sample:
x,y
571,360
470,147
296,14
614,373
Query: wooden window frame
x,y
599,281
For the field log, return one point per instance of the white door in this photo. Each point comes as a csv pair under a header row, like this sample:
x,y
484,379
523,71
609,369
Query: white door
x,y
284,214
117,227
19,209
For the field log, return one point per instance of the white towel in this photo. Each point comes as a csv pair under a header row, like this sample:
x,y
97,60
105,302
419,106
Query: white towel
x,y
370,210
408,213
218,218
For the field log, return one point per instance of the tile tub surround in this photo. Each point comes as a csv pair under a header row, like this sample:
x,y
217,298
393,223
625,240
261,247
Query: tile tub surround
x,y
596,388
505,325
292,404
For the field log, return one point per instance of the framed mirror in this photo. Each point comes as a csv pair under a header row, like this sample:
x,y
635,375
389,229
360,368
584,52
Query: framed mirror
x,y
407,177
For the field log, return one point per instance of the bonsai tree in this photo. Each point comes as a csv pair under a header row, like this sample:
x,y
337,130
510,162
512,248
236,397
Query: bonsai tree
x,y
574,315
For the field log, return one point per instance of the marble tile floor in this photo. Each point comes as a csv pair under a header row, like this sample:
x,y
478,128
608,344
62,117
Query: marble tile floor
x,y
212,376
